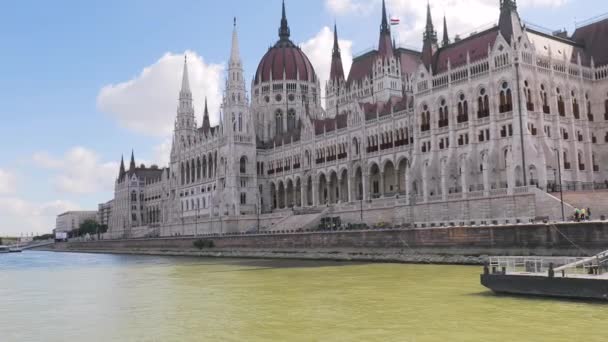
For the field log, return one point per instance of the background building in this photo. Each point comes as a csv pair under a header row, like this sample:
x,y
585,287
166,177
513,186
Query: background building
x,y
71,220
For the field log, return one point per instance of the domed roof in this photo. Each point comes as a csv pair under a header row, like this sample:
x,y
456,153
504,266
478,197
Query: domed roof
x,y
285,60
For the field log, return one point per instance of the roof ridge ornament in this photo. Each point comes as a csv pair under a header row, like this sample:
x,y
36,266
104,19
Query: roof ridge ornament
x,y
284,31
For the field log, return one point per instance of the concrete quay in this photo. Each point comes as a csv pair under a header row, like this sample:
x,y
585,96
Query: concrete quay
x,y
441,245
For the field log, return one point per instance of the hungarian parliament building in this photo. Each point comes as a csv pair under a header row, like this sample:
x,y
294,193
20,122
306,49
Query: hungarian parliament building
x,y
471,130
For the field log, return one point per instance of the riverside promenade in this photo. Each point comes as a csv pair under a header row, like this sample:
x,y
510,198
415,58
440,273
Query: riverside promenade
x,y
459,245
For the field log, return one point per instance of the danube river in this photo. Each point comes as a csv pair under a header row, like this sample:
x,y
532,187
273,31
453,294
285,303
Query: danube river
x,y
87,297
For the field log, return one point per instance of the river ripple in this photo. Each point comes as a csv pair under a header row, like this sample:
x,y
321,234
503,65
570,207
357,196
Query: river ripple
x,y
88,297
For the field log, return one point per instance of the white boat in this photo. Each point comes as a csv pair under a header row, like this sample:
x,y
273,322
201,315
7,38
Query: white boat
x,y
15,250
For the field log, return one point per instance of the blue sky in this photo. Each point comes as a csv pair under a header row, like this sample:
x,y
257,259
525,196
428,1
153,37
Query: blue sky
x,y
62,135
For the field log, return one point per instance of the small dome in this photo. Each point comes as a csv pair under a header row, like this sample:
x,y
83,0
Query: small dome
x,y
285,61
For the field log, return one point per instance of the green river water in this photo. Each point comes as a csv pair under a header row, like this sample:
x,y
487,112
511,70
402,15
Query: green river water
x,y
87,297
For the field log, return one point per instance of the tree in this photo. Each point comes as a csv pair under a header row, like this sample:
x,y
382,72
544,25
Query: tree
x,y
87,227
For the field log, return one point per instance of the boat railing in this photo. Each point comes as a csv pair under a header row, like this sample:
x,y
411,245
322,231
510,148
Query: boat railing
x,y
531,264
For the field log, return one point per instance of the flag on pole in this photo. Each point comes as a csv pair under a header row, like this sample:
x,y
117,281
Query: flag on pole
x,y
395,21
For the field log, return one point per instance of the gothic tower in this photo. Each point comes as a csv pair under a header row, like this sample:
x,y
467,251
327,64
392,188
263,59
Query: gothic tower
x,y
237,157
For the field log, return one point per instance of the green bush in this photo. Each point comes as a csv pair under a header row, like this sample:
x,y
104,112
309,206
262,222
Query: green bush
x,y
203,243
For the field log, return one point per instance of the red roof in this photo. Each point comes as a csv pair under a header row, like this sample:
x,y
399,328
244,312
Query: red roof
x,y
285,59
362,67
409,60
595,39
476,45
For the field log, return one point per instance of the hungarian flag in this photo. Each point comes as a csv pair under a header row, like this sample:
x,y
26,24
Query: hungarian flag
x,y
395,21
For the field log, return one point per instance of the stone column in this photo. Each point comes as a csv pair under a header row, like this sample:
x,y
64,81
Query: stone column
x,y
315,193
350,190
365,182
381,184
486,178
444,183
463,180
303,194
406,185
425,192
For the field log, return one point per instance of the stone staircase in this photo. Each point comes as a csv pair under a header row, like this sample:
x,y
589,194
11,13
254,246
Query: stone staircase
x,y
596,200
299,221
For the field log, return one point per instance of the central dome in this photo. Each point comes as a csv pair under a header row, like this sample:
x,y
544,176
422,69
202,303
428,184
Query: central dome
x,y
285,61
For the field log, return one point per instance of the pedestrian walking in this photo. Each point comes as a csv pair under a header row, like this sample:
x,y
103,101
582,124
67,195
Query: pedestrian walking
x,y
583,214
576,214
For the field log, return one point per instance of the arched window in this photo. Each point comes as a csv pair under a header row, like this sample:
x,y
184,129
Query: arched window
x,y
575,107
279,121
566,161
483,104
187,172
561,107
291,119
543,98
588,102
528,95
425,119
463,109
506,99
183,173
581,161
243,164
133,196
606,110
443,114
240,122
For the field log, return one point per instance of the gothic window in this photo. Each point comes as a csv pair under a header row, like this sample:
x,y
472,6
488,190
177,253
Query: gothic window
x,y
561,108
198,169
528,96
291,119
243,164
606,110
506,99
575,106
240,122
589,114
133,196
463,109
425,119
183,173
279,121
581,161
483,104
187,172
443,114
233,122
543,99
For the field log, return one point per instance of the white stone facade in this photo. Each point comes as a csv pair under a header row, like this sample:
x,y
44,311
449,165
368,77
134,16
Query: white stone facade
x,y
407,136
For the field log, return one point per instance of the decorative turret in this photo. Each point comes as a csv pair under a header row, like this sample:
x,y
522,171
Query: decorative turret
x,y
429,46
121,172
185,111
337,70
446,38
206,122
132,164
385,47
509,22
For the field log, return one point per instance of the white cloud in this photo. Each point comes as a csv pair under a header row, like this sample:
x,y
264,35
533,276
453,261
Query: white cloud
x,y
162,153
79,171
318,49
8,182
18,216
463,16
147,103
341,7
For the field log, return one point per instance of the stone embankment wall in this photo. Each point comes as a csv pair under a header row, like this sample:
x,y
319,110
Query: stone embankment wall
x,y
469,245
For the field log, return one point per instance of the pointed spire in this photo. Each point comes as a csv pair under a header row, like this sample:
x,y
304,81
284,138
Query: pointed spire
x,y
384,28
132,165
234,52
336,70
206,123
429,32
509,22
185,80
284,32
384,45
429,46
121,172
446,38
